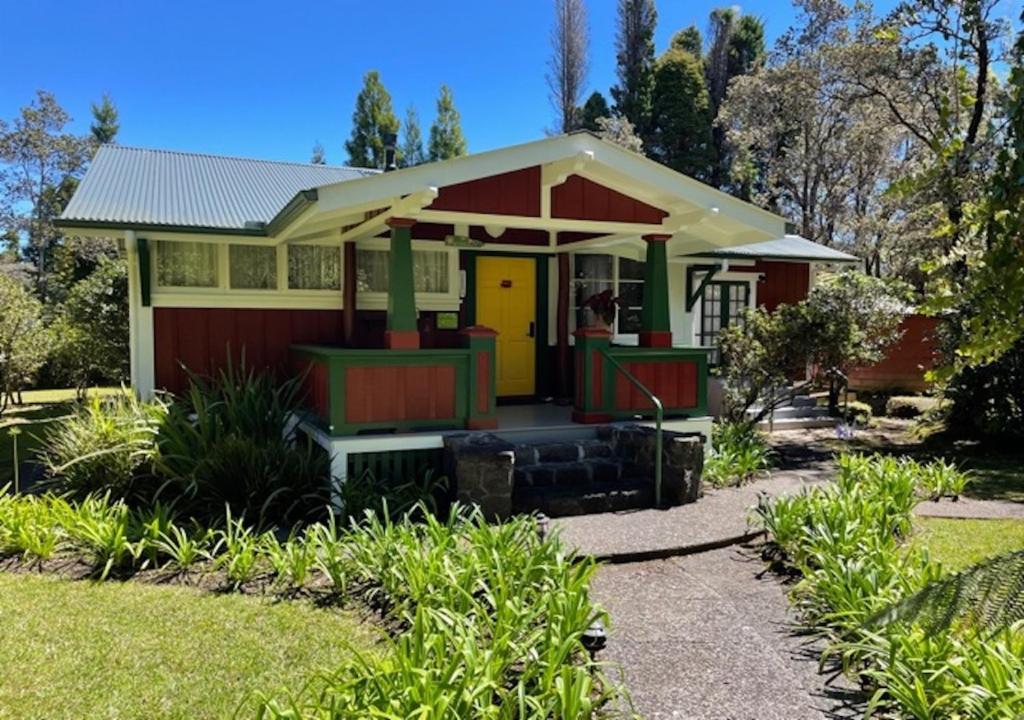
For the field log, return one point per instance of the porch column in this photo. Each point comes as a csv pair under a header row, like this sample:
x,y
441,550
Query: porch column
x,y
401,333
655,327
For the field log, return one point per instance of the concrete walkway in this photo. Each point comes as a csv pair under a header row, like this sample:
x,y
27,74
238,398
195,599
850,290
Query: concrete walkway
x,y
706,637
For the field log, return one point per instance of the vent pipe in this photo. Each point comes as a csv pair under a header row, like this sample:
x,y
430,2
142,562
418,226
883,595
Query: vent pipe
x,y
390,139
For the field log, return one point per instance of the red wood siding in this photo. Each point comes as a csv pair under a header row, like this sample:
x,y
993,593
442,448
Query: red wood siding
x,y
675,384
904,366
511,193
581,199
784,282
199,338
399,393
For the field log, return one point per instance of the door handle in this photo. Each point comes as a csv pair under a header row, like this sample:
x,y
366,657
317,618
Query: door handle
x,y
532,330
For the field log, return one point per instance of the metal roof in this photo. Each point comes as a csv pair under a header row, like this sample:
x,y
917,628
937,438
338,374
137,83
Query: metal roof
x,y
138,186
788,247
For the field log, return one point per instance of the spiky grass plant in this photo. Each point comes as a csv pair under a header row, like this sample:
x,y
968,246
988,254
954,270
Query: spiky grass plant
x,y
739,453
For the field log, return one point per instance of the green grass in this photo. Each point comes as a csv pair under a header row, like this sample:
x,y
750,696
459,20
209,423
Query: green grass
x,y
130,650
958,544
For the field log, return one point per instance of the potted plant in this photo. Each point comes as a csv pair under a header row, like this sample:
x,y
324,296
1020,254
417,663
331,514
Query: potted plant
x,y
603,306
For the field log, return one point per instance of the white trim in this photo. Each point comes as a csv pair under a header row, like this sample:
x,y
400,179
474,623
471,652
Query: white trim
x,y
142,366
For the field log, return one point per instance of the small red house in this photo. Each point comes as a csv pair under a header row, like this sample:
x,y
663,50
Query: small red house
x,y
425,299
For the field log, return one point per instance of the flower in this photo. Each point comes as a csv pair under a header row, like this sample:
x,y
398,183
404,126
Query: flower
x,y
604,305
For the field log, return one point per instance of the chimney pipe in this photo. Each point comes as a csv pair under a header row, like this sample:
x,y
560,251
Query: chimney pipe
x,y
390,139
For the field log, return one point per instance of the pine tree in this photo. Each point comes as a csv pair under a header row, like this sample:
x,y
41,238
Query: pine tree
x,y
104,121
412,140
690,40
680,117
373,116
634,43
446,139
569,62
595,108
319,155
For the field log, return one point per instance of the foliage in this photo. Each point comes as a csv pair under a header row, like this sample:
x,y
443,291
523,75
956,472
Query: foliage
x,y
372,118
907,407
634,55
231,441
681,115
24,339
446,139
604,305
107,445
569,62
620,131
595,108
739,453
92,328
412,139
104,126
392,498
858,413
318,156
844,542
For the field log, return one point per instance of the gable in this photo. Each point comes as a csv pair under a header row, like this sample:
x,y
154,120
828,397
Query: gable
x,y
581,199
511,193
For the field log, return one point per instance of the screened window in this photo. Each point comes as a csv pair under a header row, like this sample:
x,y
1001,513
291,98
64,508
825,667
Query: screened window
x,y
314,267
429,267
723,303
624,277
186,264
252,267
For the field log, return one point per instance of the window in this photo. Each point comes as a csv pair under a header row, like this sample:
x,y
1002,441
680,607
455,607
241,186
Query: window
x,y
252,267
624,277
186,264
314,267
429,267
722,303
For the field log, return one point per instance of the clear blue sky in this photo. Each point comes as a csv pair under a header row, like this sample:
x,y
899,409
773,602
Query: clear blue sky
x,y
268,79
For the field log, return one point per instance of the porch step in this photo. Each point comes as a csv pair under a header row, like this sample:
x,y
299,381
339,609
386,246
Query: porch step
x,y
562,501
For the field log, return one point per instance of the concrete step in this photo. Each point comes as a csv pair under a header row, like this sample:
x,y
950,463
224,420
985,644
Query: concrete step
x,y
629,494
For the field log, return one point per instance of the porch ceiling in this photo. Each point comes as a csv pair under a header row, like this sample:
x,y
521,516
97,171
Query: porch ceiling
x,y
697,216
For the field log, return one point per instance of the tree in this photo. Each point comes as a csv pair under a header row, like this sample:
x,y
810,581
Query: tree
x,y
24,339
92,328
620,131
105,125
680,119
569,62
690,40
595,108
318,155
634,45
412,140
446,139
40,163
372,118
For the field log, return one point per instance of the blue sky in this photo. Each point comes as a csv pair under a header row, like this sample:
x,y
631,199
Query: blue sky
x,y
268,79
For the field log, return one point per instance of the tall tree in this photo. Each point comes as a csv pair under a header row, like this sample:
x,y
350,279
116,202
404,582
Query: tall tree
x,y
680,119
446,139
595,108
372,118
318,156
690,40
634,45
105,123
569,62
412,140
40,162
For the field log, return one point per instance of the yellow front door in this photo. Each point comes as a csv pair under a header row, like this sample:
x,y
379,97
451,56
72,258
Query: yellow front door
x,y
506,301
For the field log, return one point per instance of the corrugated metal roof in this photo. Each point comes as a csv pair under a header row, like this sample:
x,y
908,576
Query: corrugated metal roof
x,y
127,185
790,247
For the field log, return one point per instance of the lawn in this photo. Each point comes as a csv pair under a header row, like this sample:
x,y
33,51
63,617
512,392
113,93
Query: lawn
x,y
131,650
959,543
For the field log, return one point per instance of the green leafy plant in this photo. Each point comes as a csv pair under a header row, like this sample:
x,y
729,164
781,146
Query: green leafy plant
x,y
233,441
108,445
104,531
739,453
365,493
292,560
941,479
183,549
237,550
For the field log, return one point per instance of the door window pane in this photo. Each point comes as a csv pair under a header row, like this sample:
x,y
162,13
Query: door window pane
x,y
186,264
252,267
314,267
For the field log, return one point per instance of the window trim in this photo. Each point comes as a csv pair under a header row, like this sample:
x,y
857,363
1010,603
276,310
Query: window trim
x,y
442,302
617,337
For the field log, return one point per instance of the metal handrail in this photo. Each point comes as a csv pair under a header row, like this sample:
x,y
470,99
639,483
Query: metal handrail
x,y
659,415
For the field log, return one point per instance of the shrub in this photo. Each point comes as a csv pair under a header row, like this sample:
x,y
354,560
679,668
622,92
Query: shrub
x,y
858,413
908,407
739,453
107,445
231,441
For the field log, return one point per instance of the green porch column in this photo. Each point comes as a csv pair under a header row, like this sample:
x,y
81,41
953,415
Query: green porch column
x,y
402,333
655,327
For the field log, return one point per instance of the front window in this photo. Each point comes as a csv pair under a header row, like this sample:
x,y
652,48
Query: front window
x,y
186,264
723,303
252,267
314,267
624,277
429,267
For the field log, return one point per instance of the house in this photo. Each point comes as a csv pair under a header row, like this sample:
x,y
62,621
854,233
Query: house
x,y
425,299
